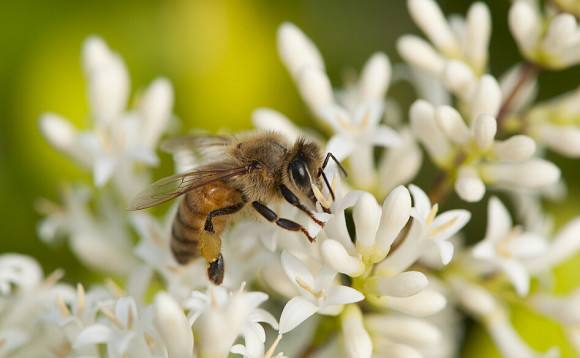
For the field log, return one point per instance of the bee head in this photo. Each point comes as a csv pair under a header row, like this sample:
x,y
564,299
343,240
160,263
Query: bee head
x,y
302,168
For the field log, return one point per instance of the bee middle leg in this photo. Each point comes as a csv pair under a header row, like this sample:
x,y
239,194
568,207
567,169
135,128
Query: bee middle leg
x,y
295,201
271,216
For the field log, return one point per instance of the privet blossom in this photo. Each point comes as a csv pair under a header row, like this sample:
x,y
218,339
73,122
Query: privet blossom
x,y
391,271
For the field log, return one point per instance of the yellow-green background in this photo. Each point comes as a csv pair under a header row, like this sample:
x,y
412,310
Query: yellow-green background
x,y
221,58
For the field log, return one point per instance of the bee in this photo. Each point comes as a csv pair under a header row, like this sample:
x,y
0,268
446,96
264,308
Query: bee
x,y
250,172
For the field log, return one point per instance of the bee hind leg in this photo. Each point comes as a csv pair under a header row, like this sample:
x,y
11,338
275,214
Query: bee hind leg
x,y
216,269
271,216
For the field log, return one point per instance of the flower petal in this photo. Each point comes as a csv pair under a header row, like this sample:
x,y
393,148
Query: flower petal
x,y
296,311
340,295
295,268
94,334
448,224
404,284
517,274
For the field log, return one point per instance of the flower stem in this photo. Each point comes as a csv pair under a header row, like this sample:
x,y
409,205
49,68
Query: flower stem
x,y
528,71
440,188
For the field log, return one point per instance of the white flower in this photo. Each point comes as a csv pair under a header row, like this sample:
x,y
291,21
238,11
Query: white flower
x,y
219,317
100,240
492,314
555,124
429,230
376,229
354,115
173,326
357,341
483,160
20,272
119,139
318,293
121,329
551,40
505,248
395,334
460,54
563,309
399,165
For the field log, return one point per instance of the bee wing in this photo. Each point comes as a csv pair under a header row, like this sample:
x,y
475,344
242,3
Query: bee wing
x,y
196,143
171,187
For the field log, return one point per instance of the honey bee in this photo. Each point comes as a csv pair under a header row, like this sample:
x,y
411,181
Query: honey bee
x,y
257,169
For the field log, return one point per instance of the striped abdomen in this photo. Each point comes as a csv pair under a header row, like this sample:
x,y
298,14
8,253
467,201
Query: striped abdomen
x,y
189,238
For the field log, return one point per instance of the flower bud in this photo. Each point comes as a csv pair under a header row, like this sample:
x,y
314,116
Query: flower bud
x,y
315,89
297,50
156,107
469,185
336,256
459,78
424,303
404,284
484,129
357,341
452,124
419,53
375,78
487,97
367,215
562,139
173,326
532,174
525,25
478,31
515,149
428,16
428,132
396,212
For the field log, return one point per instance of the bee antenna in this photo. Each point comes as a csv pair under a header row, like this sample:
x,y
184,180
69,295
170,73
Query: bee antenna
x,y
329,156
321,173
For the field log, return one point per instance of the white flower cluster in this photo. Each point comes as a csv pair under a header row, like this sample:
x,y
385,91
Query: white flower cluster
x,y
387,274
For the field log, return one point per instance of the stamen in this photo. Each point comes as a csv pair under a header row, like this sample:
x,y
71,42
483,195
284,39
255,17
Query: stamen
x,y
117,291
80,300
272,348
62,306
307,287
111,316
432,214
443,227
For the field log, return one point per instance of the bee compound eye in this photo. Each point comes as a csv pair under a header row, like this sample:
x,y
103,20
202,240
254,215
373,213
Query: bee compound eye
x,y
299,173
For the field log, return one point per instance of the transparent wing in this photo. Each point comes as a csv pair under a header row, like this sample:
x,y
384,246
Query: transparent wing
x,y
196,143
171,187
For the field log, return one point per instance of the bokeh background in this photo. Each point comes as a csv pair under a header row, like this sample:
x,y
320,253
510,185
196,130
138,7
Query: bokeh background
x,y
222,59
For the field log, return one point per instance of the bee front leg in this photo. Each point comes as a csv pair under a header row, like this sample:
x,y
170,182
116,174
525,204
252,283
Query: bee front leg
x,y
271,216
295,201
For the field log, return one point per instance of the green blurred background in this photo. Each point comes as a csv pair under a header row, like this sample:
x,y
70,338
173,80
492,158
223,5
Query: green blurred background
x,y
222,59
